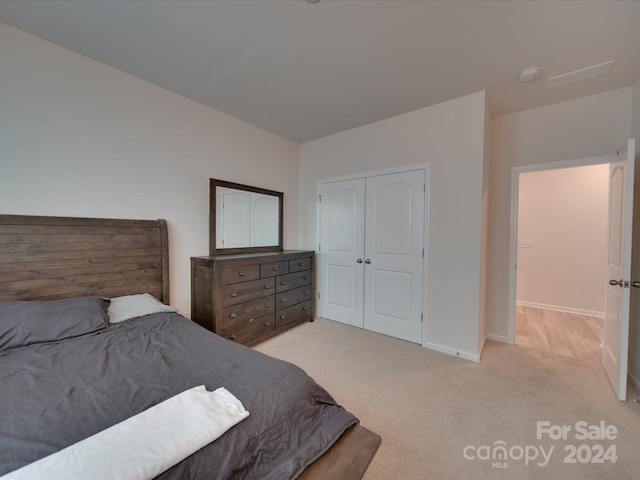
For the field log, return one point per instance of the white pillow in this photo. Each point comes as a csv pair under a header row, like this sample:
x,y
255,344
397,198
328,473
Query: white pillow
x,y
131,306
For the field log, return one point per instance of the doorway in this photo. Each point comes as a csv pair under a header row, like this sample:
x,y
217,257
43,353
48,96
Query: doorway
x,y
559,246
615,340
562,221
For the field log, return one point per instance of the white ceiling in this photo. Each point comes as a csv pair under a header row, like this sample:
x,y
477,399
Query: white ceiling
x,y
304,71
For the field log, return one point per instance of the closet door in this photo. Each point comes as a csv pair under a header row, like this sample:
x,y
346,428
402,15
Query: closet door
x,y
341,251
394,242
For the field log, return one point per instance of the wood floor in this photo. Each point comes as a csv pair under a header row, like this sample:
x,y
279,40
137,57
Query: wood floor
x,y
577,336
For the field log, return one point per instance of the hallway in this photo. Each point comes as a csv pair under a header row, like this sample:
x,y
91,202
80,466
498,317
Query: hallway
x,y
572,335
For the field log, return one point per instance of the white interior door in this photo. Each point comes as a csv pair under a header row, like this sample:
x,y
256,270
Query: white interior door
x,y
394,242
341,251
616,327
235,220
264,220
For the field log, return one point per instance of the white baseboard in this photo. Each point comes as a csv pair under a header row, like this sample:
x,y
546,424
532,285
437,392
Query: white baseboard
x,y
472,357
497,338
559,308
634,381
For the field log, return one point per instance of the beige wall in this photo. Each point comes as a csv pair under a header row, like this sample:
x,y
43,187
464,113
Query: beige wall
x,y
564,214
450,137
585,127
78,138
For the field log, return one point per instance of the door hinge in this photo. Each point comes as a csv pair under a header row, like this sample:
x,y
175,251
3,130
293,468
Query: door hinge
x,y
318,247
422,317
423,253
424,189
318,295
320,198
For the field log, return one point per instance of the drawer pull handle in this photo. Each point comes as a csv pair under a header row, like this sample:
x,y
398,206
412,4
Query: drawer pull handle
x,y
283,300
242,274
233,336
283,317
267,287
300,264
306,277
267,324
275,268
234,294
304,292
282,282
306,309
234,315
267,305
251,320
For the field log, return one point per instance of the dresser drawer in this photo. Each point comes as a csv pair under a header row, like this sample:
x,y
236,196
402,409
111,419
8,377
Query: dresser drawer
x,y
291,314
274,268
291,297
300,264
240,274
293,280
242,292
248,332
247,312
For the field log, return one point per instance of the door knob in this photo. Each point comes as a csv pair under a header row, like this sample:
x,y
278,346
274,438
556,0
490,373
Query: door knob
x,y
622,283
367,261
359,260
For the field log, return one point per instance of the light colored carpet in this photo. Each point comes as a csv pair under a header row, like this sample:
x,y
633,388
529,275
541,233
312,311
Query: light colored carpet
x,y
428,407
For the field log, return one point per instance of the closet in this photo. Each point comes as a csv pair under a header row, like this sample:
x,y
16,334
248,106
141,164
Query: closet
x,y
371,252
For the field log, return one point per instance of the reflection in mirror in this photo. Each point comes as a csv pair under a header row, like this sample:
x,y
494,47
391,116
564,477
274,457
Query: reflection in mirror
x,y
244,218
247,219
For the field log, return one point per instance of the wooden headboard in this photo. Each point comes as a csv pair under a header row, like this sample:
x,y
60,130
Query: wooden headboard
x,y
45,258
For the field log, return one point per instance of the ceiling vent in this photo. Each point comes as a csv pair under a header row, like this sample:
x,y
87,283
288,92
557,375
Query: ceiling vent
x,y
582,74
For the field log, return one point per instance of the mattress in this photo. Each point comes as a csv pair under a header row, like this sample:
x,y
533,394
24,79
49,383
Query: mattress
x,y
57,393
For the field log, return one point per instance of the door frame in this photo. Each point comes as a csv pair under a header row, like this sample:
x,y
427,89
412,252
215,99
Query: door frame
x,y
425,233
513,235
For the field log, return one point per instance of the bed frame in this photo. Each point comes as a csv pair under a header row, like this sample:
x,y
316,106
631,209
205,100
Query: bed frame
x,y
47,258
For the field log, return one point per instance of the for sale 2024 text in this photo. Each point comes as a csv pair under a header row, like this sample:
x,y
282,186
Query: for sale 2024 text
x,y
581,431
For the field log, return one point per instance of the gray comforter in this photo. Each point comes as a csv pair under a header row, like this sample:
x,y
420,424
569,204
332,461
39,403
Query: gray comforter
x,y
55,394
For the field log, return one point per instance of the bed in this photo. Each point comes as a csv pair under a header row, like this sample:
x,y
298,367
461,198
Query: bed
x,y
77,380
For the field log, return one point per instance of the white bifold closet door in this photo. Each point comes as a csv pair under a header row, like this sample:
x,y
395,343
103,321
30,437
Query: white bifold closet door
x,y
371,253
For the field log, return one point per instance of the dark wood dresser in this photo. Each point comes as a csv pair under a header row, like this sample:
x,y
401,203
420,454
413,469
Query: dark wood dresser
x,y
250,297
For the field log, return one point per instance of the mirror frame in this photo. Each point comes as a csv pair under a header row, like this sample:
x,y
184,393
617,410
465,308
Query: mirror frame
x,y
213,183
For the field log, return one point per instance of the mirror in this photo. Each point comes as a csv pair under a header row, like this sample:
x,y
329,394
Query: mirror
x,y
243,219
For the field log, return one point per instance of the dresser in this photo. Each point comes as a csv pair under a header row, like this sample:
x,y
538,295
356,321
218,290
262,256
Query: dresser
x,y
250,297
